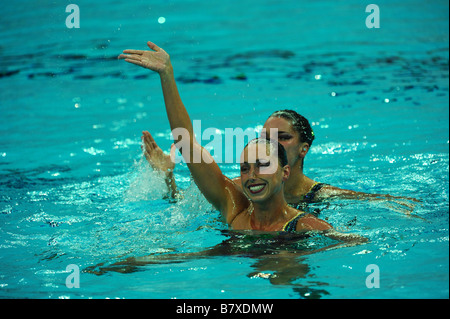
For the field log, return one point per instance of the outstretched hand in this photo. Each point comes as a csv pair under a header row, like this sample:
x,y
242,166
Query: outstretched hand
x,y
155,155
156,60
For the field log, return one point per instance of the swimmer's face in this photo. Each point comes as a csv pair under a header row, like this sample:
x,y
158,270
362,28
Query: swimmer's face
x,y
287,136
261,174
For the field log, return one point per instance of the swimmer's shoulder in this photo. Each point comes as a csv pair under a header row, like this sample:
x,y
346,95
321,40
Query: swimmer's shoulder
x,y
308,222
237,203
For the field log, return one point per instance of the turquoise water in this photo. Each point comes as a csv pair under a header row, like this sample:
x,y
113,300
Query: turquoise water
x,y
74,188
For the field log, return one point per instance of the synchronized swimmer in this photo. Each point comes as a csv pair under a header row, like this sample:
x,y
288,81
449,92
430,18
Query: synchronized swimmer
x,y
260,203
258,199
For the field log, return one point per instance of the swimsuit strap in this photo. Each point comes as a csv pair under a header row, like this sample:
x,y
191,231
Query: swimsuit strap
x,y
309,197
291,225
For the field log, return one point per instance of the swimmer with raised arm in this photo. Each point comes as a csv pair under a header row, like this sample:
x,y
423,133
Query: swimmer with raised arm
x,y
297,136
259,204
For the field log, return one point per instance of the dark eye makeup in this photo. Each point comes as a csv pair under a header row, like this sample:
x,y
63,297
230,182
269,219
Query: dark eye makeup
x,y
246,167
262,163
284,137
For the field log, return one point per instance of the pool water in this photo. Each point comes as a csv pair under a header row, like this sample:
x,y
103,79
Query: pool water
x,y
75,189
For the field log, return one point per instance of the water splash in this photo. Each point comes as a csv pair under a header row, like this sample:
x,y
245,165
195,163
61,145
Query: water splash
x,y
146,183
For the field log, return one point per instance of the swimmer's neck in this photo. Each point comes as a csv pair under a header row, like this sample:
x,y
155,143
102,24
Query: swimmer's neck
x,y
297,185
269,212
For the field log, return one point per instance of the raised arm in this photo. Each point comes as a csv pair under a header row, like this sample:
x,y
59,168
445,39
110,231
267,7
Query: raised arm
x,y
158,61
216,188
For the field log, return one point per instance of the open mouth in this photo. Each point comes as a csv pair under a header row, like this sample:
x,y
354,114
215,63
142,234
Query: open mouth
x,y
256,188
